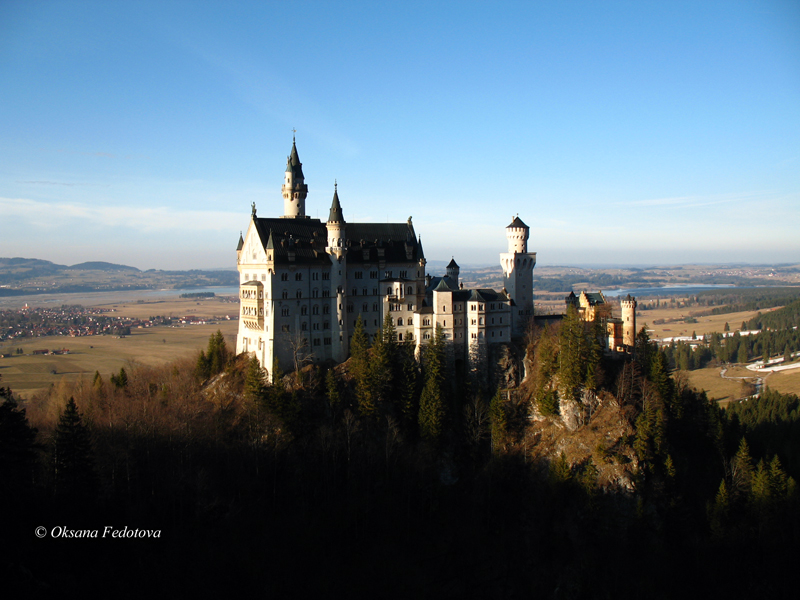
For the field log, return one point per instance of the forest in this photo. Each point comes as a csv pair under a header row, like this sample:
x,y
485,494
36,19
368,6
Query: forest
x,y
388,476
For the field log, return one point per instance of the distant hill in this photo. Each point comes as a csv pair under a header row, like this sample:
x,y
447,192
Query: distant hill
x,y
102,266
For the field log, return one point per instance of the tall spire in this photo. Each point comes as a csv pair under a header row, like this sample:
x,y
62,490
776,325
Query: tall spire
x,y
336,215
294,187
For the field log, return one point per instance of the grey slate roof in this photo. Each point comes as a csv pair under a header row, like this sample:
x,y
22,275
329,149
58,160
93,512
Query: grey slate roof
x,y
452,264
517,222
241,242
293,163
309,237
336,214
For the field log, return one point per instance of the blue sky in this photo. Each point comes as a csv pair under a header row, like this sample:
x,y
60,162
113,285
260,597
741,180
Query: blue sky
x,y
621,132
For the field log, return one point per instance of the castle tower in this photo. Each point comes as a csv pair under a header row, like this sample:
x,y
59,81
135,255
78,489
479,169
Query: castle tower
x,y
628,314
518,266
336,249
452,271
294,188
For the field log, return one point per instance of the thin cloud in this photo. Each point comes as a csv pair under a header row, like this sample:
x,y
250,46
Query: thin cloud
x,y
694,201
145,219
64,183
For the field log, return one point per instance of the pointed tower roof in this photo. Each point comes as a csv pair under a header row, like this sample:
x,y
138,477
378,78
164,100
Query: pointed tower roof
x,y
452,264
241,242
517,222
293,163
421,251
442,287
336,214
270,242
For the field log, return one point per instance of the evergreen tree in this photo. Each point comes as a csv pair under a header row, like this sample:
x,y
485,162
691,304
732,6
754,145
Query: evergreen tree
x,y
17,444
409,393
255,387
73,455
120,381
382,364
497,418
742,470
359,369
742,354
332,391
572,352
432,401
787,354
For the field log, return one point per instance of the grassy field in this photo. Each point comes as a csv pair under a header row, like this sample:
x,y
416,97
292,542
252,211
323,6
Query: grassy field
x,y
27,374
715,386
676,326
785,382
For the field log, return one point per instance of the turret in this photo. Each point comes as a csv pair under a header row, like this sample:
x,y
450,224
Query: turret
x,y
452,271
294,188
338,252
628,314
517,235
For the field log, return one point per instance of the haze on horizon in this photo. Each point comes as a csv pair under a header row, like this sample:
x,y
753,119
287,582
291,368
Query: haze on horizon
x,y
621,133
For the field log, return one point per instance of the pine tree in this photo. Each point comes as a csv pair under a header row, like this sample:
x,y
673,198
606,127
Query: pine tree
x,y
742,354
332,391
742,470
382,364
497,418
359,369
17,444
432,401
254,381
73,455
572,352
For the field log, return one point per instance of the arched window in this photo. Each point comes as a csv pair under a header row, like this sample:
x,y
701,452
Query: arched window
x,y
299,294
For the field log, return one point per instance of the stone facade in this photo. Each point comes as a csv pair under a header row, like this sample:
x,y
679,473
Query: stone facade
x,y
304,283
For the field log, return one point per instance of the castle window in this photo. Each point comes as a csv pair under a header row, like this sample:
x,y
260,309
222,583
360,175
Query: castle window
x,y
474,336
315,326
473,322
326,293
426,322
327,341
304,326
501,320
363,291
365,307
410,290
326,325
410,306
493,334
326,276
444,309
375,306
304,310
400,321
501,333
355,291
373,274
299,294
315,277
285,311
326,310
374,291
388,291
315,293
375,322
316,341
263,277
426,336
349,308
284,277
315,309
480,321
400,337
359,275
403,274
492,320
298,277
285,294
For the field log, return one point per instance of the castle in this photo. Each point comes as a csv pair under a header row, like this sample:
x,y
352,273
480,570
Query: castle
x,y
304,283
620,332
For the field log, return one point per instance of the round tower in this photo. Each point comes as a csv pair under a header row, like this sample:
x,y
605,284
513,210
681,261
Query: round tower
x,y
337,250
517,235
294,187
452,271
628,314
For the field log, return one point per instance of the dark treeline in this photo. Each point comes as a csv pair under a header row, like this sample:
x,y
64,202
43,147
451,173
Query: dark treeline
x,y
388,477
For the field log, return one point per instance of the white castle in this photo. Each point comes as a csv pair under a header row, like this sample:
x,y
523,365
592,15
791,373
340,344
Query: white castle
x,y
304,283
